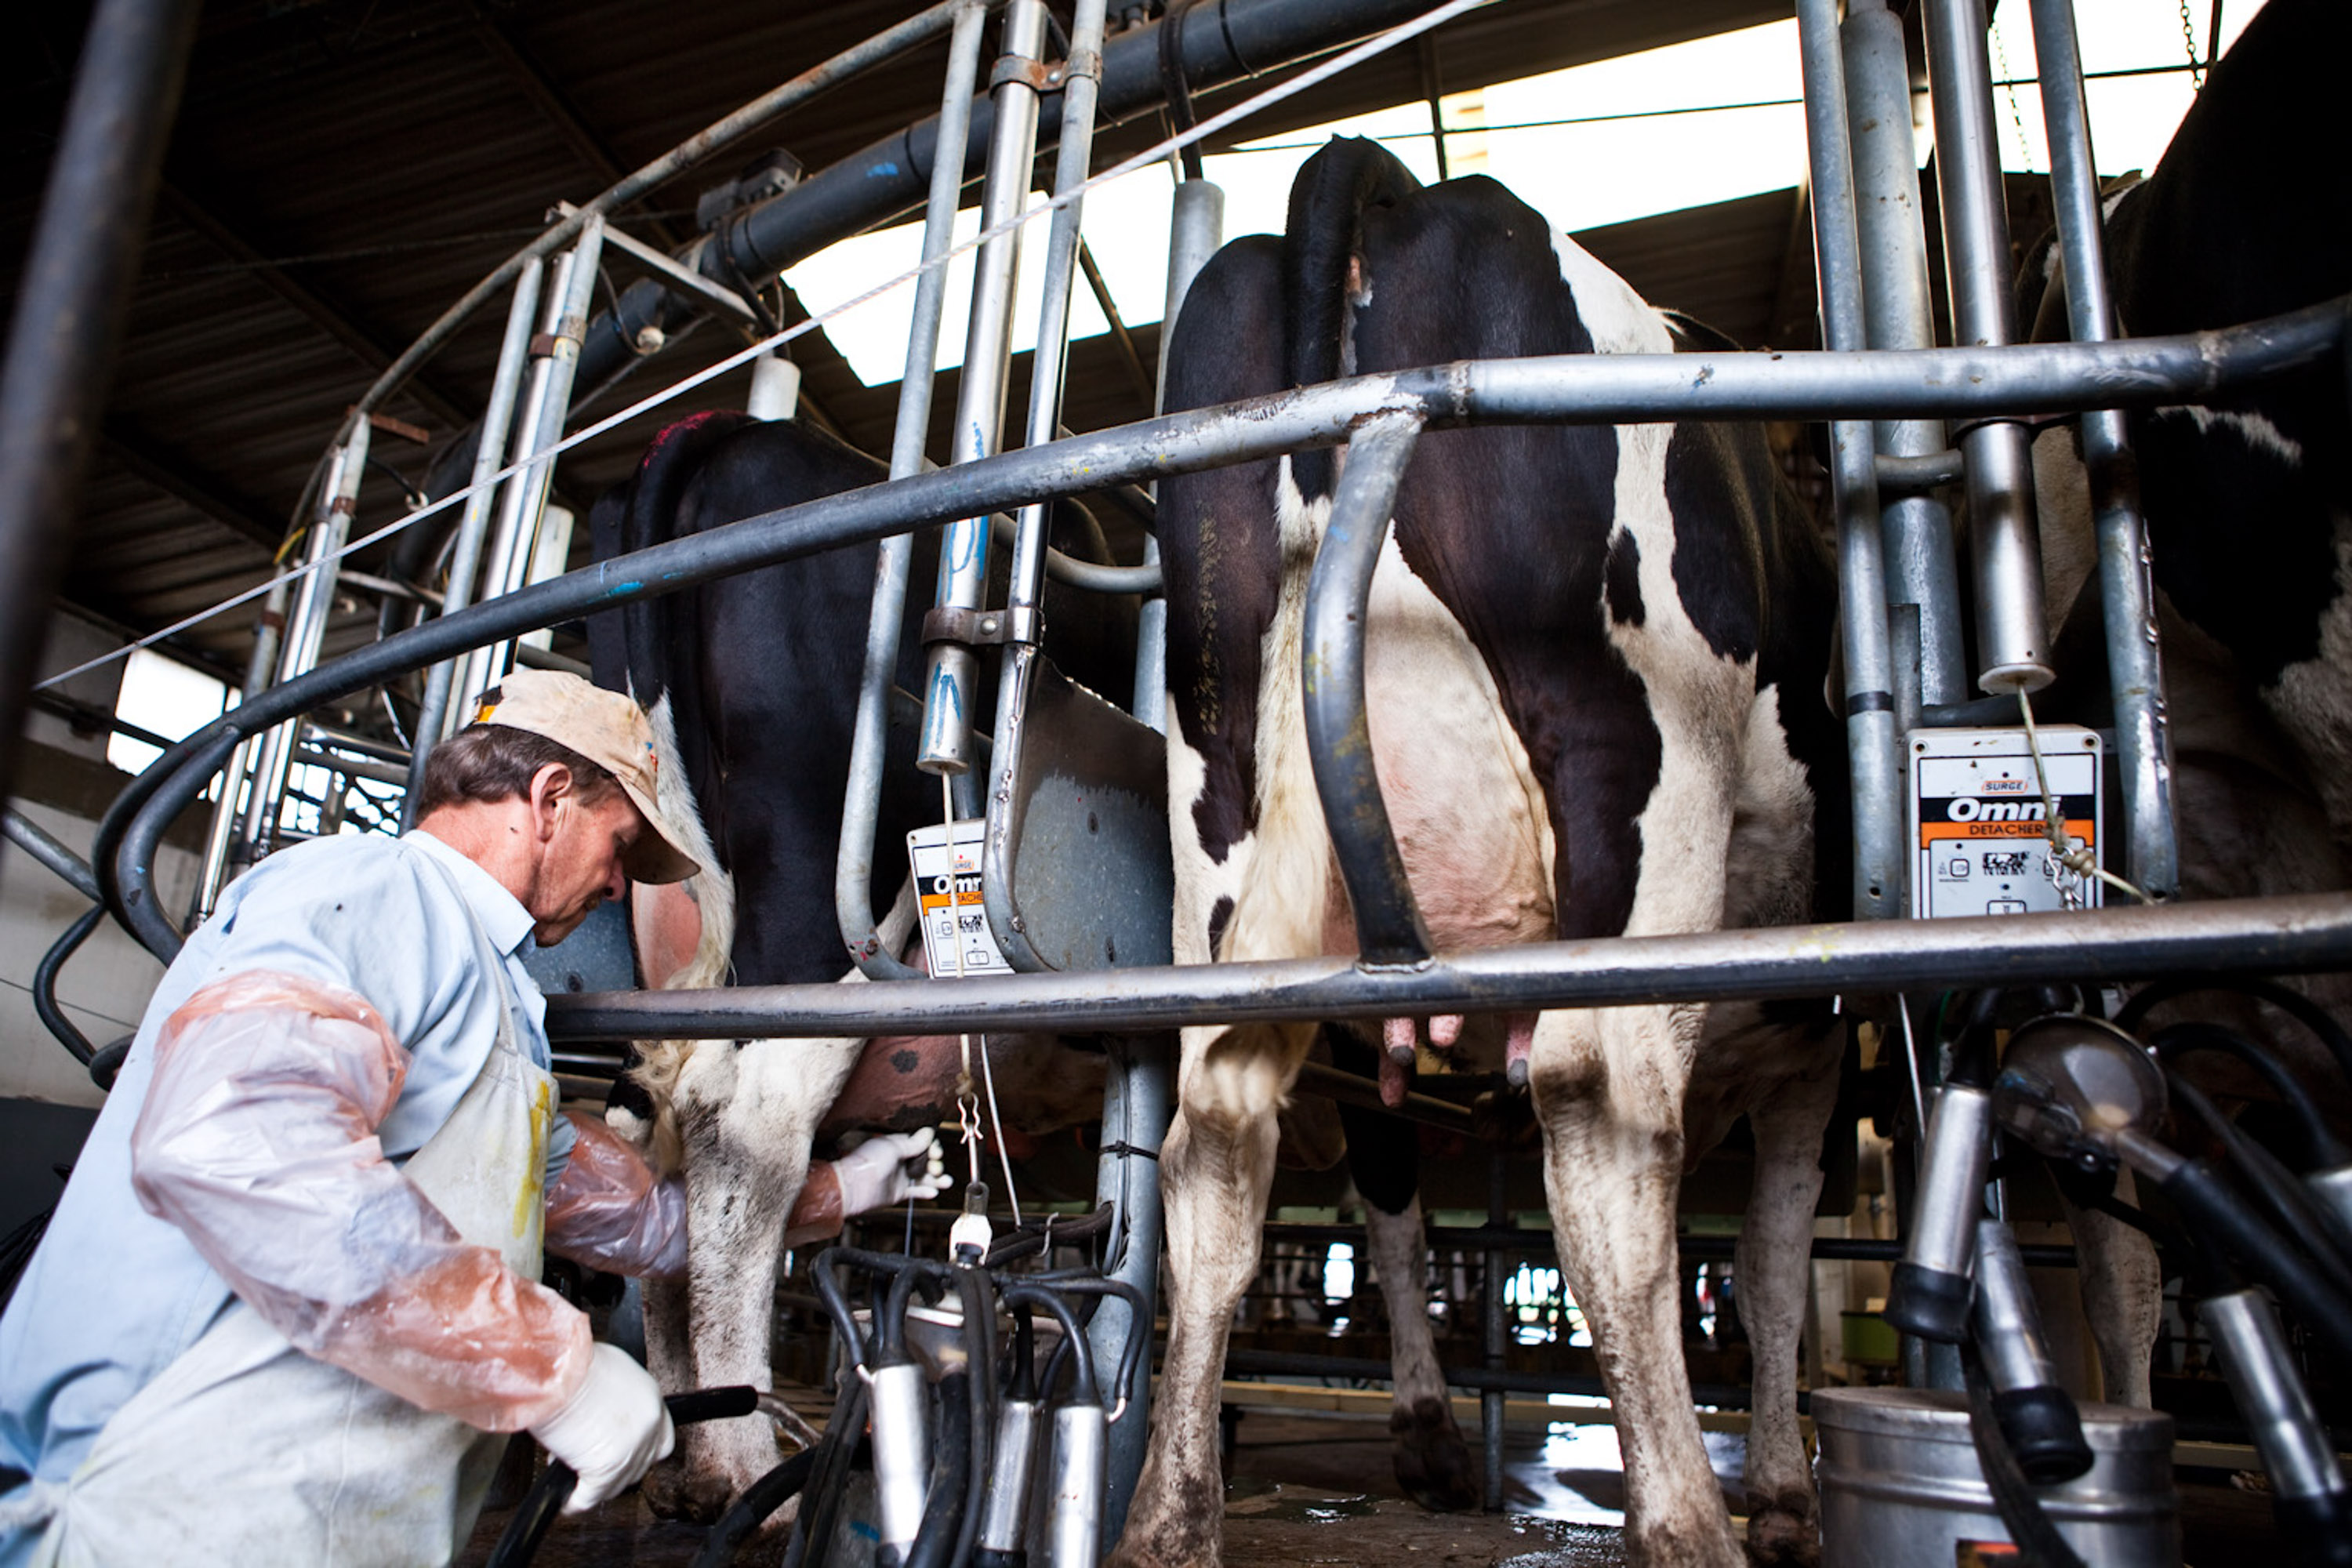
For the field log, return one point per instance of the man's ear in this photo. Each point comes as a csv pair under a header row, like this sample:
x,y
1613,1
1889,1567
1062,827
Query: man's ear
x,y
549,787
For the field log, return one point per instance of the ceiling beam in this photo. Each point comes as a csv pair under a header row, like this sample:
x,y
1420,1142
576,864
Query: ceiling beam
x,y
366,343
177,645
139,456
556,108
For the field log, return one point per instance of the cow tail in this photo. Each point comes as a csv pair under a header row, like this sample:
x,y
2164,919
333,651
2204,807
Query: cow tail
x,y
1320,247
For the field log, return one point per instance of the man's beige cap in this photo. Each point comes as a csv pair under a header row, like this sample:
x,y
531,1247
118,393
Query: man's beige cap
x,y
609,730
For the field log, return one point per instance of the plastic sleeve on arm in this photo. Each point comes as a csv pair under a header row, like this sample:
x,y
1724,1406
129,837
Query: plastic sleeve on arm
x,y
608,1212
816,1213
258,1139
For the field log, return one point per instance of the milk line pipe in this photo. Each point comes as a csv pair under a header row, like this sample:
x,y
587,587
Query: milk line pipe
x,y
1388,928
221,836
853,875
1588,388
2013,630
1873,748
466,556
2127,594
52,851
950,673
1864,958
1920,564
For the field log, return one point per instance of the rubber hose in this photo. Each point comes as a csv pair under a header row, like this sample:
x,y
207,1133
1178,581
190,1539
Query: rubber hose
x,y
2039,1544
2205,1200
935,1542
45,984
845,1432
2288,1201
973,1289
2293,1003
760,1499
519,1542
2176,1040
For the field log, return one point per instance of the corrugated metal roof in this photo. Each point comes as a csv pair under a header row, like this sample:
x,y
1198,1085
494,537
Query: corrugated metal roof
x,y
342,170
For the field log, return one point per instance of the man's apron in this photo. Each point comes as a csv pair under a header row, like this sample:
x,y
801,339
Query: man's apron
x,y
246,1451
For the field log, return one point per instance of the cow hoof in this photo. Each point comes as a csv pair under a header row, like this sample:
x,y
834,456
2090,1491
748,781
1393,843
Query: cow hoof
x,y
1783,1532
673,1491
1433,1463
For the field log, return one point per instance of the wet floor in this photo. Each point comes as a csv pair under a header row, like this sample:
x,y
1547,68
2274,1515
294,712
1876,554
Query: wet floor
x,y
1315,1488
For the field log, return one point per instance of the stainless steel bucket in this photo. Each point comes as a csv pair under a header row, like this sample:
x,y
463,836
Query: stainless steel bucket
x,y
1900,1484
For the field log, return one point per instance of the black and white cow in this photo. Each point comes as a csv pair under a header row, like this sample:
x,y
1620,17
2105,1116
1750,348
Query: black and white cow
x,y
752,682
2249,509
1596,660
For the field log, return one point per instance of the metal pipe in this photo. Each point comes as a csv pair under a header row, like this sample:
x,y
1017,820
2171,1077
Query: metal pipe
x,y
523,505
221,836
2040,1421
68,319
1917,528
50,850
1082,83
881,47
1138,1102
952,669
2127,595
853,867
1587,388
1873,748
466,557
1246,39
305,631
2013,630
1073,1526
1389,928
2296,1452
351,767
902,1460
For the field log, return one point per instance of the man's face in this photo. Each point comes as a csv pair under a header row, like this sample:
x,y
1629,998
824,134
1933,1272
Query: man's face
x,y
581,866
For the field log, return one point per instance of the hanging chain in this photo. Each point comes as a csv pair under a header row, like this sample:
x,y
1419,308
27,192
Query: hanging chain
x,y
2189,42
2009,86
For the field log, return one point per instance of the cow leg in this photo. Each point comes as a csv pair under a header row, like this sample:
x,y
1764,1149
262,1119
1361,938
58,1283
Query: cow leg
x,y
2122,1286
748,1114
1774,1257
1609,1088
1216,1169
1433,1463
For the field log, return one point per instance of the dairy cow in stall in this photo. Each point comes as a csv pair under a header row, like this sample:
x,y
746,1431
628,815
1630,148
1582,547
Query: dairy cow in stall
x,y
1595,661
2249,507
752,683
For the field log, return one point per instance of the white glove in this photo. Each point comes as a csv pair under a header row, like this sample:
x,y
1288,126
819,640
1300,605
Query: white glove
x,y
612,1430
889,1168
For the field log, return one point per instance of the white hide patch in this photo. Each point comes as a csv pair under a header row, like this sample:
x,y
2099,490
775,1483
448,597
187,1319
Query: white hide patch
x,y
1699,701
1769,880
2255,430
1621,321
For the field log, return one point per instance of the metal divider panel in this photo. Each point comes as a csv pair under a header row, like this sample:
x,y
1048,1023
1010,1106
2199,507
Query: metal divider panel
x,y
1087,822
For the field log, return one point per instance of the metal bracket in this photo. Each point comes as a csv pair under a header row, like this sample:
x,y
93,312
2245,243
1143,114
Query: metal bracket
x,y
1038,75
681,273
981,628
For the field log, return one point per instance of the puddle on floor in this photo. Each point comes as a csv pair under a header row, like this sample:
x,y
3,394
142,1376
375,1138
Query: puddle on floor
x,y
1250,1497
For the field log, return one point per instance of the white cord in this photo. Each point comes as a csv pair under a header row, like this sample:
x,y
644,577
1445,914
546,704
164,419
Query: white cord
x,y
2080,862
987,1073
1215,122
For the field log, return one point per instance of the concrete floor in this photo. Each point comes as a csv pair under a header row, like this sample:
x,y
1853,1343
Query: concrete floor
x,y
1313,1489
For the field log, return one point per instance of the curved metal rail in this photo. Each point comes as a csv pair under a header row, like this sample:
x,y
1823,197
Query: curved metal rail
x,y
1628,388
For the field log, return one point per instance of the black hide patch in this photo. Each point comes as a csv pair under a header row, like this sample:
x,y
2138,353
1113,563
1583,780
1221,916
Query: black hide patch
x,y
1623,576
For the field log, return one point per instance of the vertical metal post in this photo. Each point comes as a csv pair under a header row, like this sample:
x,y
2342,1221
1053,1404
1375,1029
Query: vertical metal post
x,y
523,502
1921,566
948,677
1136,1105
1873,746
1196,226
852,874
221,837
306,629
1082,83
2013,631
466,555
2127,598
68,318
1490,1400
